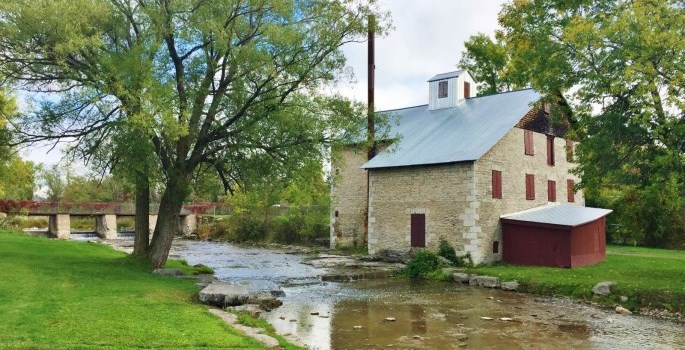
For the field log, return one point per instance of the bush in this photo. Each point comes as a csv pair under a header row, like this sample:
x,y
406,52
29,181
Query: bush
x,y
423,264
446,251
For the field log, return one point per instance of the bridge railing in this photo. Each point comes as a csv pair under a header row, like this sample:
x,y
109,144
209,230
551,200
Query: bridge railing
x,y
95,208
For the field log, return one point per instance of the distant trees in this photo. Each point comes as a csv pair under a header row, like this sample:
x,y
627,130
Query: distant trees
x,y
621,65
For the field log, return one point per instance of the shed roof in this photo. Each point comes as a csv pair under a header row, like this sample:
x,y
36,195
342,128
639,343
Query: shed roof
x,y
447,75
451,135
558,214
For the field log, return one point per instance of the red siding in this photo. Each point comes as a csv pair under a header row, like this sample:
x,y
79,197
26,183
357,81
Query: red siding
x,y
467,90
571,194
535,246
529,149
530,186
588,243
418,230
551,191
496,184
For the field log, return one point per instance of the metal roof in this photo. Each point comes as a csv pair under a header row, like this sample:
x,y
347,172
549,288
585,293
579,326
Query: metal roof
x,y
559,214
446,75
450,135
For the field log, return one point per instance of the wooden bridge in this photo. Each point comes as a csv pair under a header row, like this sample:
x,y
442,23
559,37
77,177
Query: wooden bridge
x,y
105,215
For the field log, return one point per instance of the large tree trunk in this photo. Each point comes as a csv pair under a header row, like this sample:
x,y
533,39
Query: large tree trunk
x,y
167,221
141,241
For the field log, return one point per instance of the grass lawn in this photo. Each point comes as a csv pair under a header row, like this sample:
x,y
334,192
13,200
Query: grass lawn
x,y
71,295
648,277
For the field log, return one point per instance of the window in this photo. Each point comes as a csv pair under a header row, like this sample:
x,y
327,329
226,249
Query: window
x,y
496,184
418,230
530,186
528,142
442,89
495,247
551,191
571,192
550,150
569,151
467,90
336,213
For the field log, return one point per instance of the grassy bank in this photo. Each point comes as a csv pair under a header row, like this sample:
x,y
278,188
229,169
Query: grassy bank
x,y
71,295
653,278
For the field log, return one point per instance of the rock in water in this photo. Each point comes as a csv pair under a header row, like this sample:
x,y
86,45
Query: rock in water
x,y
224,294
623,311
485,281
461,277
487,318
390,319
603,288
513,285
265,300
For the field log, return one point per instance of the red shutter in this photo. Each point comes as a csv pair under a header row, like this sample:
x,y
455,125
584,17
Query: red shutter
x,y
496,184
550,150
528,142
467,90
551,191
530,186
571,192
418,230
569,150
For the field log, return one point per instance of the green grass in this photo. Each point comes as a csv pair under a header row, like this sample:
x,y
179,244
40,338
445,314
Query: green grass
x,y
71,295
648,277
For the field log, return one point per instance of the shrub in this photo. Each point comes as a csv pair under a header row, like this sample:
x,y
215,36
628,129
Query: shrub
x,y
446,251
422,264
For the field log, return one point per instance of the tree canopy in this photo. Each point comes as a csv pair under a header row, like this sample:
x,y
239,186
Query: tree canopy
x,y
16,175
622,66
235,85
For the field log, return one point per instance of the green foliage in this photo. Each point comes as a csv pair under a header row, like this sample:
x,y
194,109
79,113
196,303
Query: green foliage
x,y
422,264
16,175
623,66
650,277
95,297
446,251
246,319
487,61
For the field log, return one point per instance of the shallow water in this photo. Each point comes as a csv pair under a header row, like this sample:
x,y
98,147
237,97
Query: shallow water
x,y
428,315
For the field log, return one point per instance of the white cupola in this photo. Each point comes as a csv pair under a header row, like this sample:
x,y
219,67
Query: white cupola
x,y
449,89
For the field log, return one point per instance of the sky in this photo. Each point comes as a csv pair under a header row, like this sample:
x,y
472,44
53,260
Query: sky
x,y
427,39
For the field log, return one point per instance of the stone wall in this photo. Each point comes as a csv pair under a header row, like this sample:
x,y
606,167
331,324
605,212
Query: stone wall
x,y
508,157
444,193
348,197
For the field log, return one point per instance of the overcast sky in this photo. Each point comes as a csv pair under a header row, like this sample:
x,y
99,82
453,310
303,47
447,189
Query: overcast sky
x,y
428,39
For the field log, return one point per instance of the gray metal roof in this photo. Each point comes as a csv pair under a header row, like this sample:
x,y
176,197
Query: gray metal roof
x,y
455,134
446,75
559,214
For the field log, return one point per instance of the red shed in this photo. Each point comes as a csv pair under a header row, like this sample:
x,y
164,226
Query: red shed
x,y
556,235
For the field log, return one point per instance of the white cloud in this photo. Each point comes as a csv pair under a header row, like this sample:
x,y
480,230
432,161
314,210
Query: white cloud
x,y
428,39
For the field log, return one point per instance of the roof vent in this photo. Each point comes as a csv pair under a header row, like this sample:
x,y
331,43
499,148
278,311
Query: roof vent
x,y
449,89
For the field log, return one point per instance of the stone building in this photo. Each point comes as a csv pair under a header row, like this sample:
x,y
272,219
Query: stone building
x,y
455,167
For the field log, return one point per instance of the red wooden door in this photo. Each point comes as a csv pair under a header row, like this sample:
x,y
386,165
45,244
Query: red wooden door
x,y
418,230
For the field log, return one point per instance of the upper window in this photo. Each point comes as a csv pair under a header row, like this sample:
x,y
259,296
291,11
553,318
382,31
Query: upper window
x,y
496,184
528,142
442,89
569,151
550,150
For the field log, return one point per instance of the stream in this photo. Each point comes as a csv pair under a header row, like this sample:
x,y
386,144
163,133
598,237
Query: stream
x,y
427,315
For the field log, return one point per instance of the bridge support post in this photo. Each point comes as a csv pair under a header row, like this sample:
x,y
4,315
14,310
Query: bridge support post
x,y
188,224
59,226
106,226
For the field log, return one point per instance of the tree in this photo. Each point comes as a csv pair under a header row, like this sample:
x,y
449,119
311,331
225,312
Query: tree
x,y
623,65
228,83
16,175
488,61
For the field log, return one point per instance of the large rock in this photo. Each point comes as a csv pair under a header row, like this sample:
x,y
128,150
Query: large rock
x,y
513,285
461,277
393,256
266,301
224,294
168,272
485,281
603,288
